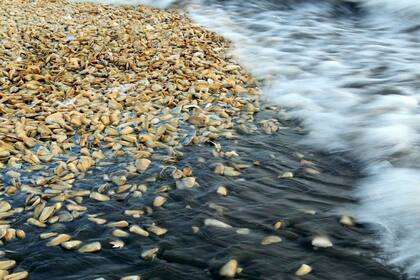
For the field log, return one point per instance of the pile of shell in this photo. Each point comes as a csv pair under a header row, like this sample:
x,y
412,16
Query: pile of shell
x,y
80,83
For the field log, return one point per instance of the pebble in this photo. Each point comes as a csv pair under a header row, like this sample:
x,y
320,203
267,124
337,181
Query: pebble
x,y
91,247
229,270
272,239
303,270
321,242
216,223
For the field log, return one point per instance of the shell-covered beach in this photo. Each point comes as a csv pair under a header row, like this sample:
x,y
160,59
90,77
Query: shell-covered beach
x,y
133,145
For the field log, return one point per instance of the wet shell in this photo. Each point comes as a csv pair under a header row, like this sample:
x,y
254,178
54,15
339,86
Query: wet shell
x,y
91,247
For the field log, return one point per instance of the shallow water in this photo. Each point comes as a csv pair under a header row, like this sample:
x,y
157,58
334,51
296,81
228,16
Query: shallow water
x,y
256,200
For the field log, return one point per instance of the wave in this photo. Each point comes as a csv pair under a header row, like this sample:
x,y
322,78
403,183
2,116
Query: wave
x,y
352,81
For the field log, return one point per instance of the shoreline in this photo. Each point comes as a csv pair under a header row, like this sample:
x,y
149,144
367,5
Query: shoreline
x,y
160,209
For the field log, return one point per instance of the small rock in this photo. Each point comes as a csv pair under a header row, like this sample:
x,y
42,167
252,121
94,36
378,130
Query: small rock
x,y
229,269
303,270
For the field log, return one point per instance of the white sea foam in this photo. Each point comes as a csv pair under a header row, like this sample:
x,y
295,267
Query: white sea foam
x,y
353,83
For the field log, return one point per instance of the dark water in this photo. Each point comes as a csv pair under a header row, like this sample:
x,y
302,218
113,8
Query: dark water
x,y
257,199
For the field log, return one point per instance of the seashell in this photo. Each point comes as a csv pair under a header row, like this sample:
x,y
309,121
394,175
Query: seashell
x,y
91,248
138,230
222,191
46,213
229,270
17,276
185,183
117,244
130,277
7,264
59,239
272,239
347,221
149,254
99,197
321,242
35,222
71,245
303,270
85,163
47,235
142,164
159,201
4,206
119,233
157,230
119,224
216,223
